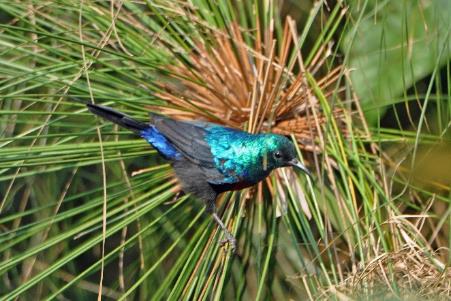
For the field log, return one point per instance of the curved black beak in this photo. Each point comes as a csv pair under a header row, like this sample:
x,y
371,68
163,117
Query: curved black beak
x,y
296,163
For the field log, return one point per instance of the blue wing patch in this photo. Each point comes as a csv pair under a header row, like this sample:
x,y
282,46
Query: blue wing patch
x,y
160,143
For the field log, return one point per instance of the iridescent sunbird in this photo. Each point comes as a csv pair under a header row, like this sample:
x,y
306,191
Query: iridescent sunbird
x,y
208,158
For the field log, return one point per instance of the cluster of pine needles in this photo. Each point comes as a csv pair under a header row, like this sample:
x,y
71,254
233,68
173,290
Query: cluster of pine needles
x,y
340,235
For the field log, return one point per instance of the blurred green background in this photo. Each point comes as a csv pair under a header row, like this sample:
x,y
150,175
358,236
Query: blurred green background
x,y
86,208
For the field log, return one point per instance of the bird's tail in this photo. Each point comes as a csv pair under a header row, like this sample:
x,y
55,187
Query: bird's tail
x,y
118,118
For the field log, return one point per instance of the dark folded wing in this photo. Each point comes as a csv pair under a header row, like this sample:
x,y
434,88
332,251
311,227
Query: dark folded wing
x,y
189,139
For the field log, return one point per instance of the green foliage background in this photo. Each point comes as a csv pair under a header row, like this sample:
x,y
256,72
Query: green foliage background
x,y
72,216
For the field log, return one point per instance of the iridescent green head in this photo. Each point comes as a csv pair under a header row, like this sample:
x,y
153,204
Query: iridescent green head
x,y
280,152
245,157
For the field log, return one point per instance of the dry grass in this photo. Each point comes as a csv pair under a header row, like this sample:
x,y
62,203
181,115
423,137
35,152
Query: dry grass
x,y
417,275
256,89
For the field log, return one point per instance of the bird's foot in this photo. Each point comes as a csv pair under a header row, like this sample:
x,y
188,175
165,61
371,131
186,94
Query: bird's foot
x,y
230,240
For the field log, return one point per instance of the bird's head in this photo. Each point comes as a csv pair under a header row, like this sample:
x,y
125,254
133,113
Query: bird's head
x,y
280,152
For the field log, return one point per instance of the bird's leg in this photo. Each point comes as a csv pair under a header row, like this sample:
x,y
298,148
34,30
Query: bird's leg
x,y
229,236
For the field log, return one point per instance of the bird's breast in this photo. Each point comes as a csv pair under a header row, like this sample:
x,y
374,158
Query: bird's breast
x,y
233,186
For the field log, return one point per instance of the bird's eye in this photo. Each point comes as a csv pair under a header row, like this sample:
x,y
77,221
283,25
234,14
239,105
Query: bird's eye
x,y
277,155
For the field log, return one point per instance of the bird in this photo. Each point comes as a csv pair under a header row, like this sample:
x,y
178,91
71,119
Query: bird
x,y
208,158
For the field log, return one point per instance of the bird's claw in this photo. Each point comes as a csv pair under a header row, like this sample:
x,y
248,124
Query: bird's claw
x,y
230,240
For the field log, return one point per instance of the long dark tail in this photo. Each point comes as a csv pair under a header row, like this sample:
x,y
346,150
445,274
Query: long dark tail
x,y
117,117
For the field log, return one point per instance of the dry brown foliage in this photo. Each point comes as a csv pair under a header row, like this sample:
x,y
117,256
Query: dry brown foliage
x,y
255,89
417,275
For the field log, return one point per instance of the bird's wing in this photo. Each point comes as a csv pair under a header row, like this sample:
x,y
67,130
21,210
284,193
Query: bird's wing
x,y
189,139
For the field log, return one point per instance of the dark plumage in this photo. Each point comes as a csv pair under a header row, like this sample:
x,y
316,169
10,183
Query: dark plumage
x,y
207,158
